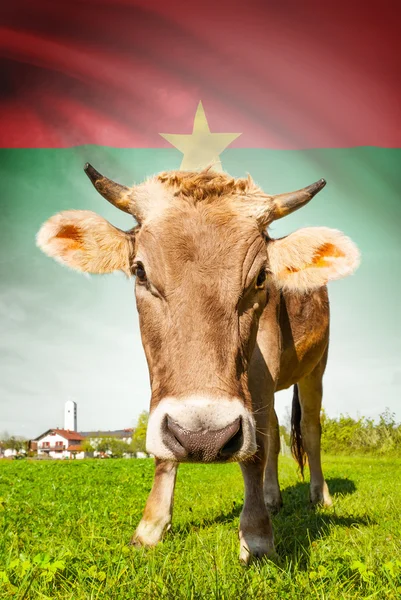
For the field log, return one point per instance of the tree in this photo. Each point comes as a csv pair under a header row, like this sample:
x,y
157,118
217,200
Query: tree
x,y
103,444
138,443
285,435
118,447
4,436
111,445
14,443
286,421
87,446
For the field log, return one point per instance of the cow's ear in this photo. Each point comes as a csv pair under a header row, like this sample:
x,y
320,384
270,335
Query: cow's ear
x,y
86,242
308,258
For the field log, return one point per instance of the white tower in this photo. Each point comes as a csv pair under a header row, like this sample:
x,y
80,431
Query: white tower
x,y
70,415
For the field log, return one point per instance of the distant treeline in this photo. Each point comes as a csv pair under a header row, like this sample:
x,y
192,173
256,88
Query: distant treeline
x,y
339,435
347,435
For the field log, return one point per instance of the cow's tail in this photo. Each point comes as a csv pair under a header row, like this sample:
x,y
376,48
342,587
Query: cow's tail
x,y
297,447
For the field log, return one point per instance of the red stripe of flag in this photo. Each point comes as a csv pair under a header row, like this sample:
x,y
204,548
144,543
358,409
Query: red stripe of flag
x,y
286,74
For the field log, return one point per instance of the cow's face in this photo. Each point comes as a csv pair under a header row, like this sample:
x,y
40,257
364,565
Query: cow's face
x,y
204,272
200,289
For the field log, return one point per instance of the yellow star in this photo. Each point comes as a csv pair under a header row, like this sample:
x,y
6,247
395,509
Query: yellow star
x,y
201,148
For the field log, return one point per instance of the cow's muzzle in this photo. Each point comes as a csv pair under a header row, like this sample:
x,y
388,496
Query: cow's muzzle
x,y
204,445
201,429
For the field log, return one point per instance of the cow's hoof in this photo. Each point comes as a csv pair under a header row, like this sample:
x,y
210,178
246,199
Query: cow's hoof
x,y
255,546
320,496
148,534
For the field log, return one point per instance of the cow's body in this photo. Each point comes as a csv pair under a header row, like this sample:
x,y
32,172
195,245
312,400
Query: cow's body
x,y
298,358
228,316
304,325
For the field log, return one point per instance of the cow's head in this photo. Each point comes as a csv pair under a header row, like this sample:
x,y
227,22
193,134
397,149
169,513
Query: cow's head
x,y
204,268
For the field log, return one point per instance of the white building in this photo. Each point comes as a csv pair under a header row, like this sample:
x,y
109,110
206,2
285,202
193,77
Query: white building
x,y
70,416
59,443
9,452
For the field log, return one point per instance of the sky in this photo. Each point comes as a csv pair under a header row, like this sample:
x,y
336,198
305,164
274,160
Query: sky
x,y
70,336
313,90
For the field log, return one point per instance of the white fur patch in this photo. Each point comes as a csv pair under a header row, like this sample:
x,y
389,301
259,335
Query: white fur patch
x,y
84,241
254,546
150,531
195,413
151,197
309,258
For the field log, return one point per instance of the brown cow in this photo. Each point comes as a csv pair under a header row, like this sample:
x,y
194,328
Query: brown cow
x,y
228,316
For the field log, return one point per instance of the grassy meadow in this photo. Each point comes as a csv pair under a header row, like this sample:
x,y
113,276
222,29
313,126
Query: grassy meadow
x,y
65,528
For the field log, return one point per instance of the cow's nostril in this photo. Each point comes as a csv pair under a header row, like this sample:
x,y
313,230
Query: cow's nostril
x,y
178,433
171,435
234,444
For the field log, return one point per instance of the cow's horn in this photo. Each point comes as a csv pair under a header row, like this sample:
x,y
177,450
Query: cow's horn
x,y
116,194
285,204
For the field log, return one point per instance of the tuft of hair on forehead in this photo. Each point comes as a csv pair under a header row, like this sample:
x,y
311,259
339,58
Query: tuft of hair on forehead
x,y
206,185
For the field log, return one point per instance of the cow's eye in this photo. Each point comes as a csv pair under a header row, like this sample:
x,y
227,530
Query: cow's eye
x,y
261,278
140,273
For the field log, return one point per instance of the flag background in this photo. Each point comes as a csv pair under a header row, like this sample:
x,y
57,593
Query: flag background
x,y
314,91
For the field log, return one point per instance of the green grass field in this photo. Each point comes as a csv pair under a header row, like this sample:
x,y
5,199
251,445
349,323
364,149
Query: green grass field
x,y
65,528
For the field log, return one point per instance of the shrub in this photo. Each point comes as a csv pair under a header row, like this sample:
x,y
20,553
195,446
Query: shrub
x,y
362,435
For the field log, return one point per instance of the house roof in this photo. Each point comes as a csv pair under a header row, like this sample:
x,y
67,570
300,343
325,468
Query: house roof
x,y
117,433
67,434
75,448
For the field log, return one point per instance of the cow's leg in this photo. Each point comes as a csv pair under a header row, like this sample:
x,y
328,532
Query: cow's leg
x,y
310,396
159,506
255,530
271,485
